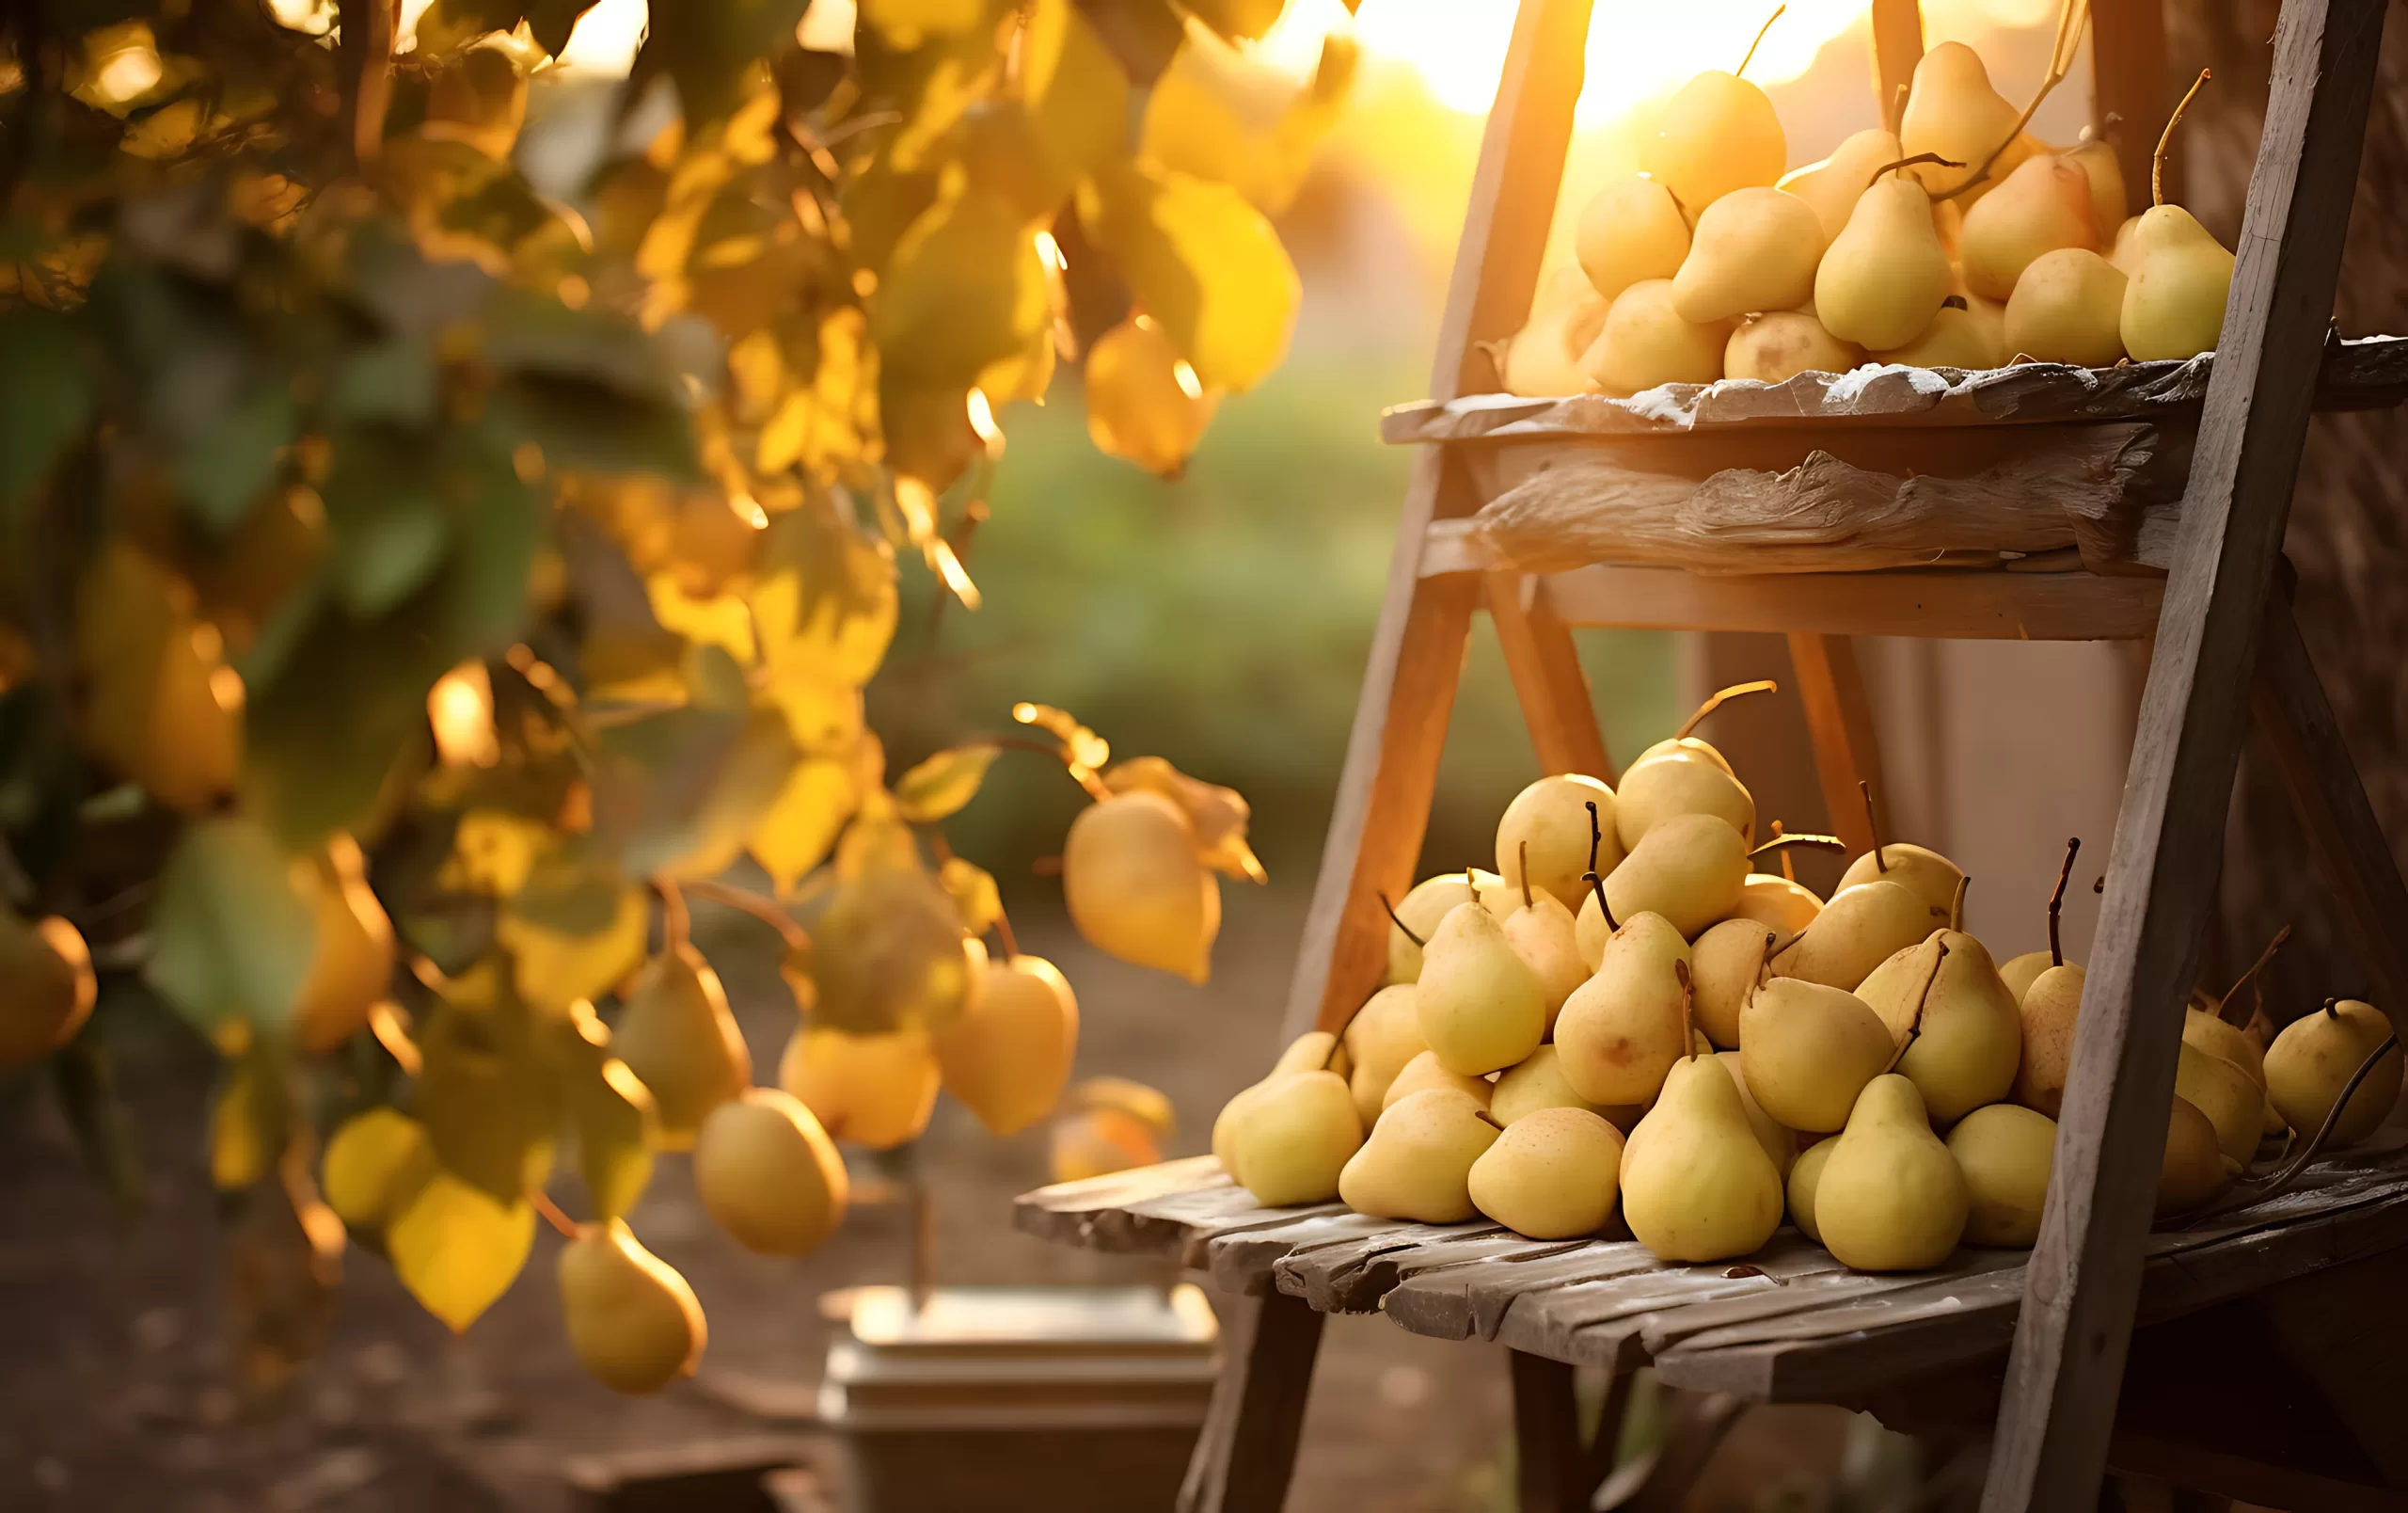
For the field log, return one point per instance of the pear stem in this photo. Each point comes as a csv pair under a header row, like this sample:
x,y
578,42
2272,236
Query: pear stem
x,y
1597,885
1908,162
2060,63
1956,904
2254,967
2166,140
2057,902
1716,700
1596,837
1741,72
1486,1118
2279,1181
675,924
1788,867
1873,823
1783,841
551,1212
2332,1008
1896,115
747,901
1400,923
1524,864
1003,935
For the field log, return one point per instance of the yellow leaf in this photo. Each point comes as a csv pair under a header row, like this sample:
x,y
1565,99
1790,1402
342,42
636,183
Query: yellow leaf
x,y
1219,815
824,716
906,24
1199,260
720,620
1076,92
484,1092
375,1163
616,1120
457,1248
231,938
974,893
825,600
572,933
966,291
1221,114
794,836
492,853
941,785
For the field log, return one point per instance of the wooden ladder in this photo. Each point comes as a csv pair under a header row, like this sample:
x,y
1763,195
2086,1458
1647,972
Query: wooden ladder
x,y
2224,645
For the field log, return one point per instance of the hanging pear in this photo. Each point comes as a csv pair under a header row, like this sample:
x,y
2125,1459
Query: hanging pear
x,y
352,951
46,986
1890,1197
876,1091
632,1322
1696,1184
768,1174
676,1035
1008,1058
1145,403
1137,886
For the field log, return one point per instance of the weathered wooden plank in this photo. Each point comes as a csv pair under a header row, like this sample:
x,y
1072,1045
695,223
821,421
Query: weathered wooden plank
x,y
1354,1276
1978,606
2064,1377
1247,1260
1547,680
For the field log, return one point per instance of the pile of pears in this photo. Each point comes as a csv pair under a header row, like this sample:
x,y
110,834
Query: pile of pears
x,y
1627,1018
1901,248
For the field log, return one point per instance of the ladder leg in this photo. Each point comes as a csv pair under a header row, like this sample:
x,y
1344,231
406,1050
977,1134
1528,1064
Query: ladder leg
x,y
1547,680
1549,1468
1840,718
1247,1450
2073,1333
2286,699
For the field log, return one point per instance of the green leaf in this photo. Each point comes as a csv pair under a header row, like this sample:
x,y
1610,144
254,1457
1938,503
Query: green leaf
x,y
943,782
384,555
574,930
45,397
612,1114
231,936
964,300
485,1092
393,381
458,1249
222,475
1201,260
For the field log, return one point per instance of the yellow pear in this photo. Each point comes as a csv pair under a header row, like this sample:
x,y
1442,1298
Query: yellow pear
x,y
1553,1176
2068,307
1630,231
1313,1051
1137,886
1539,1083
2312,1060
1294,1137
2019,973
1140,406
1417,1162
1008,1057
1754,249
1779,1140
1542,361
2173,307
2048,1009
1953,111
1808,1050
678,1038
2005,1152
1724,965
1861,927
1920,870
1832,186
1773,348
1645,342
1543,934
769,1175
1885,275
876,1091
2096,158
1690,869
2226,1094
1551,819
1696,1184
1805,1174
1427,1074
1971,337
352,951
2194,1168
2043,206
1944,1002
1717,133
1480,1006
46,986
1890,1198
632,1322
1621,1031
1784,905
1420,910
160,705
2202,1028
1661,787
2125,253
1384,1035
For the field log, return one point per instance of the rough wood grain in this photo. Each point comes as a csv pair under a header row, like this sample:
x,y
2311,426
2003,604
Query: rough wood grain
x,y
1839,718
2059,1409
1248,1449
1547,680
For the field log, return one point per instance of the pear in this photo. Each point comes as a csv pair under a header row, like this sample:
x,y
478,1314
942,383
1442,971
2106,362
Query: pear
x,y
1664,787
1805,1174
1859,927
1542,361
1621,1031
769,1175
1426,1074
1696,1184
2049,1008
1779,1140
2202,1028
1551,819
1543,933
1724,965
2023,971
1417,1162
1972,338
1313,1051
1776,347
1944,1002
1553,1176
1717,133
876,1091
1953,111
1890,1198
1832,186
2194,1168
2043,206
1384,1035
352,951
2005,1152
1539,1083
1645,343
678,1038
1420,910
2125,253
1480,1006
1782,903
1885,275
1135,878
1922,871
632,1322
1630,231
1754,249
2226,1094
2067,308
1008,1057
1690,869
46,986
1291,1140
1808,1050
2312,1060
2181,276
2096,158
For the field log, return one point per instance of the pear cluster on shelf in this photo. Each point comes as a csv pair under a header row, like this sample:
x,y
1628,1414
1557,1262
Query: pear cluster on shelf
x,y
1700,1052
1959,240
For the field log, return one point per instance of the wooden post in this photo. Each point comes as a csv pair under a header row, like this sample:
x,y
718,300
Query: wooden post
x,y
1383,803
1547,680
1840,718
1549,1468
1248,1449
2128,94
2066,1367
1897,47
